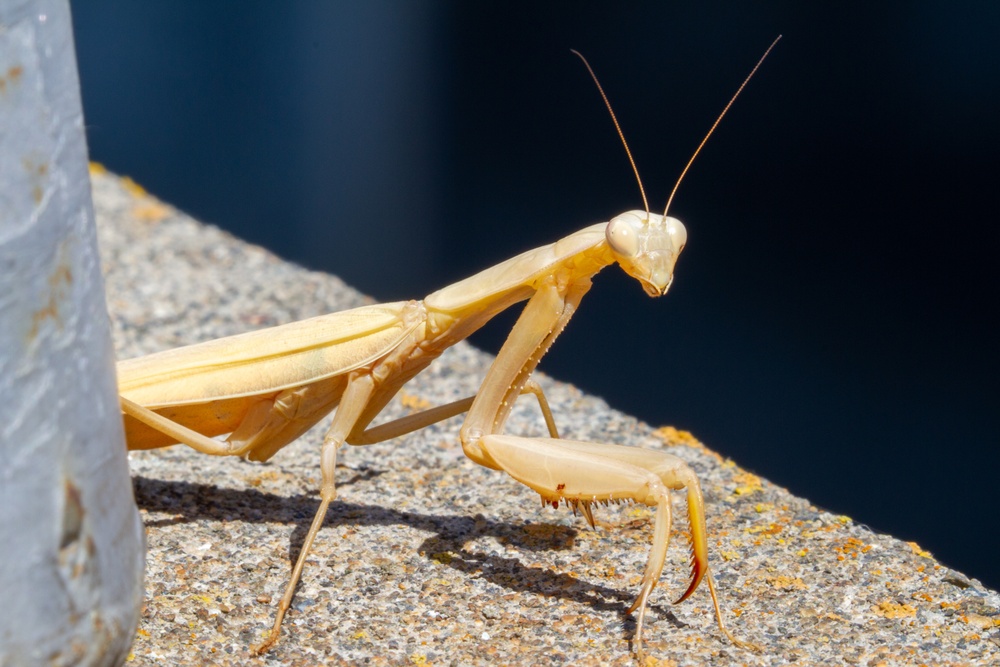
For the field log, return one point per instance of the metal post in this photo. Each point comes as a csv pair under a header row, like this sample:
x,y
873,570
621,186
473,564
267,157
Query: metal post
x,y
71,542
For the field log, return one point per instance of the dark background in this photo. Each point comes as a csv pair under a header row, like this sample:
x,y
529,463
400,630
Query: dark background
x,y
832,323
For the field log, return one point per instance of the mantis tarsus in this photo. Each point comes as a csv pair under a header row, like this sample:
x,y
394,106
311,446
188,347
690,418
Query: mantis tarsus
x,y
266,388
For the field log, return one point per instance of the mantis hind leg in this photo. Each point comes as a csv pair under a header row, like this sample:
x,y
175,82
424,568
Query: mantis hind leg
x,y
359,391
182,434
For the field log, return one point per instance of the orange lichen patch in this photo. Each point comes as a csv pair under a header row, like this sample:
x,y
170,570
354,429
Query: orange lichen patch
x,y
258,479
786,583
850,548
652,661
747,483
771,529
413,402
133,188
890,609
918,551
577,620
674,437
150,211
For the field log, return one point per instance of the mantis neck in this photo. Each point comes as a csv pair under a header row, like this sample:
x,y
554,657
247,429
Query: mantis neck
x,y
553,278
575,257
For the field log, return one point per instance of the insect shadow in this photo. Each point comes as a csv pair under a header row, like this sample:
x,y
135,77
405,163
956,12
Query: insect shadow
x,y
448,544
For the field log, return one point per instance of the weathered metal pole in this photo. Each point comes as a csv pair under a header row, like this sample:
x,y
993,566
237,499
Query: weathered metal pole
x,y
71,542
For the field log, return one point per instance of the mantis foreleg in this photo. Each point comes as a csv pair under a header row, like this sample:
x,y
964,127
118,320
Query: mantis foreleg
x,y
575,472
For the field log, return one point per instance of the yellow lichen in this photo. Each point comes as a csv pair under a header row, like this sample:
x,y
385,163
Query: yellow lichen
x,y
640,512
413,402
786,583
850,548
674,437
771,529
150,211
747,483
443,557
133,188
891,609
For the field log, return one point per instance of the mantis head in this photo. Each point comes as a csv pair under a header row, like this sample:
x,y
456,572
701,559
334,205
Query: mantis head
x,y
646,246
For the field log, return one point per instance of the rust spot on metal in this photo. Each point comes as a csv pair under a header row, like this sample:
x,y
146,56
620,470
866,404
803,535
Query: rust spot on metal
x,y
72,519
12,76
59,283
37,173
60,279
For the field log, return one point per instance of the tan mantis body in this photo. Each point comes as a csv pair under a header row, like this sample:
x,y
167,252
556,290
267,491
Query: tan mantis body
x,y
293,375
266,388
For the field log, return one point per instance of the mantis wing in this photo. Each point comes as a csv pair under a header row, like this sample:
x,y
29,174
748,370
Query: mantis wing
x,y
266,361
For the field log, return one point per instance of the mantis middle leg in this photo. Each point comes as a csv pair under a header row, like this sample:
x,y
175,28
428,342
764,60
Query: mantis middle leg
x,y
349,418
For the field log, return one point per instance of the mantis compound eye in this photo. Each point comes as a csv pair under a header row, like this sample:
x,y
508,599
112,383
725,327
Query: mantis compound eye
x,y
622,237
677,232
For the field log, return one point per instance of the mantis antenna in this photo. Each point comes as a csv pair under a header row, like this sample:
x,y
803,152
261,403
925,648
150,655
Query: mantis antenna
x,y
618,127
684,171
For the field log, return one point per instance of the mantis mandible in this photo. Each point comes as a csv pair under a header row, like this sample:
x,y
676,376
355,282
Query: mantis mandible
x,y
266,388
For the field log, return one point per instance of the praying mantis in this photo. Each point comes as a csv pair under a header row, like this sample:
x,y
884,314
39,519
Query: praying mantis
x,y
264,389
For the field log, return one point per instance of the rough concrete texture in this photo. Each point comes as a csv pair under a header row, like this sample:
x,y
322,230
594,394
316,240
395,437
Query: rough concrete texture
x,y
428,559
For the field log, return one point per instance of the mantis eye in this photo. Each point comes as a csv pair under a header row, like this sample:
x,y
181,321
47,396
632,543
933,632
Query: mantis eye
x,y
622,238
677,232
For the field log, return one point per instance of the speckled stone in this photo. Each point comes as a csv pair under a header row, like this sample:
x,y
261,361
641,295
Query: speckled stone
x,y
428,559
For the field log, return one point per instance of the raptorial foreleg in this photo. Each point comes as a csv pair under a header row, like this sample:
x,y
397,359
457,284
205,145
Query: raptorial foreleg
x,y
582,474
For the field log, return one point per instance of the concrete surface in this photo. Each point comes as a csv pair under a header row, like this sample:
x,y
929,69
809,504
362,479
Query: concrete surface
x,y
428,559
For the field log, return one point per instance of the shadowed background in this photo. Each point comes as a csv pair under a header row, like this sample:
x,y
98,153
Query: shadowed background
x,y
832,322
